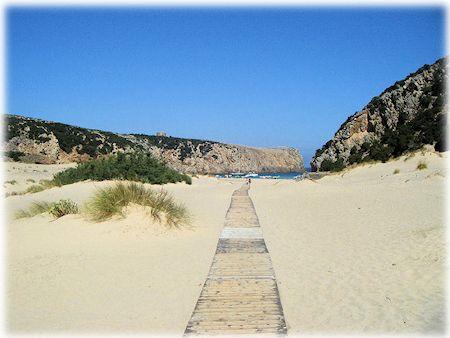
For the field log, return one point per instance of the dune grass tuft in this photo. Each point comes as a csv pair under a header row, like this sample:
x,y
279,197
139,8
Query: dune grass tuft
x,y
111,201
422,165
47,183
56,209
35,209
43,185
34,188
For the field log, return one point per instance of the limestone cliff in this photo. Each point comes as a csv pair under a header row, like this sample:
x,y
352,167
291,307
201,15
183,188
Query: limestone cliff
x,y
35,140
405,117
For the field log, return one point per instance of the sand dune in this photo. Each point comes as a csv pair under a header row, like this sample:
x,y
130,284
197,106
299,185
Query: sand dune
x,y
359,251
20,176
122,275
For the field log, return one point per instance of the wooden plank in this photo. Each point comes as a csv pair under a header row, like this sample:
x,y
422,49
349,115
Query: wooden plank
x,y
240,295
233,245
240,233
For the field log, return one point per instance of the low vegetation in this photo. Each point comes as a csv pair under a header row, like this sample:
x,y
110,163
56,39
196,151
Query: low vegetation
x,y
422,165
333,166
35,188
396,171
132,167
35,209
14,155
43,184
12,182
47,183
63,207
95,143
56,209
161,206
111,201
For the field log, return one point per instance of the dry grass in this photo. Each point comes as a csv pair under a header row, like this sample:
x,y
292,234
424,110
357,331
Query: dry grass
x,y
111,201
35,209
47,184
34,188
56,209
422,165
43,185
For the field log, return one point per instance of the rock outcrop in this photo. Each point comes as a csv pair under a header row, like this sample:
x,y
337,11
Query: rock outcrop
x,y
405,117
39,141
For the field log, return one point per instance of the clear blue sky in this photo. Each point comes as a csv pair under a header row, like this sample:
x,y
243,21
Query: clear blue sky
x,y
260,77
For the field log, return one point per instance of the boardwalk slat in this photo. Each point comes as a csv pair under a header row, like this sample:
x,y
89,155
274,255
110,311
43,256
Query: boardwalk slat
x,y
240,295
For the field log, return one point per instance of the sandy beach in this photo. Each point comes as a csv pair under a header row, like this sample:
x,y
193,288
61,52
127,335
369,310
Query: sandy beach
x,y
19,176
358,251
122,275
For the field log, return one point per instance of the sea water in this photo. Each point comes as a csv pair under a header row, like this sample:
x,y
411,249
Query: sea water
x,y
280,176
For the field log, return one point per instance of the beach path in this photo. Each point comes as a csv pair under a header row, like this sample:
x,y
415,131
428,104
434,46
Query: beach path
x,y
240,294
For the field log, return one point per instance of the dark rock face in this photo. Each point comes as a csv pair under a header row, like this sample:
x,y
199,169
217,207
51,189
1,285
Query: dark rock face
x,y
50,142
405,117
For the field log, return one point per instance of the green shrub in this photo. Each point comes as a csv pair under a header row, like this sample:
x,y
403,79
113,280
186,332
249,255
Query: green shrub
x,y
12,182
355,156
14,155
396,171
422,165
132,167
378,152
111,201
328,165
63,207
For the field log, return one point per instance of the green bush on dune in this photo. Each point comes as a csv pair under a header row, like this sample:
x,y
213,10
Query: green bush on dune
x,y
328,165
63,207
131,167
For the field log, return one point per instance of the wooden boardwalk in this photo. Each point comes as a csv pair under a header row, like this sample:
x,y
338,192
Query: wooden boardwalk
x,y
240,294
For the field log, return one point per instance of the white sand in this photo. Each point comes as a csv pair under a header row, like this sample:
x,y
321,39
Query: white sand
x,y
359,252
19,176
362,252
71,275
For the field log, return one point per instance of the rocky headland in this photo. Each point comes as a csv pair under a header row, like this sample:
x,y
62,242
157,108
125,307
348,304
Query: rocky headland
x,y
38,141
404,117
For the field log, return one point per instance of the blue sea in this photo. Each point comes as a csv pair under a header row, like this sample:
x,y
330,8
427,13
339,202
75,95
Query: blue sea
x,y
281,176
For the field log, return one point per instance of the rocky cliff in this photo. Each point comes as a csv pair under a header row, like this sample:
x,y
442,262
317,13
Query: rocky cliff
x,y
39,141
405,117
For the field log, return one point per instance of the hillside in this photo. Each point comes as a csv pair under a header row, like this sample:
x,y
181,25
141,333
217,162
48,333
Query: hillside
x,y
405,117
38,141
